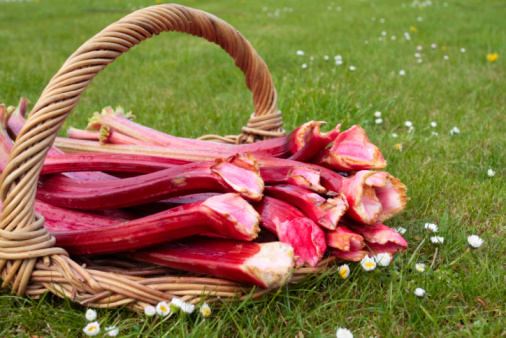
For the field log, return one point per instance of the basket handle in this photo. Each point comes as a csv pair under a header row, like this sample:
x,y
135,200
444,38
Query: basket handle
x,y
18,221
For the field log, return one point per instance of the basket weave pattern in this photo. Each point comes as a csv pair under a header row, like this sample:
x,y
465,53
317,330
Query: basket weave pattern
x,y
29,262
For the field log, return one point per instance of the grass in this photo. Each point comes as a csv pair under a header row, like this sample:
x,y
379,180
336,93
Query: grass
x,y
188,87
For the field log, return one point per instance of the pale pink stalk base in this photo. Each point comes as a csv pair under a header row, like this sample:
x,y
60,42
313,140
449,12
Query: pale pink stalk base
x,y
373,196
311,141
294,228
268,265
351,151
325,212
103,136
379,234
227,215
343,239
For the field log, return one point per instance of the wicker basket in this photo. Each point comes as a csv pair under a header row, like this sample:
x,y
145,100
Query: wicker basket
x,y
29,262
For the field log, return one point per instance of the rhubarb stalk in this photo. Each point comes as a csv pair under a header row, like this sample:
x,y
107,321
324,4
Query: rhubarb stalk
x,y
268,265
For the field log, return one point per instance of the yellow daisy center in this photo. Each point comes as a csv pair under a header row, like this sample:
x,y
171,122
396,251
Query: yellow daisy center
x,y
92,328
163,308
206,312
369,265
343,273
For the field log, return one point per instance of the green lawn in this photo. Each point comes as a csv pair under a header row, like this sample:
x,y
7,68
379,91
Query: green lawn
x,y
188,87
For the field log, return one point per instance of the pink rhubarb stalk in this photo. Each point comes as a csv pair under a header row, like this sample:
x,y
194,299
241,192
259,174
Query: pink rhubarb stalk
x,y
220,175
103,136
380,234
268,265
325,212
311,141
294,228
343,239
228,215
351,151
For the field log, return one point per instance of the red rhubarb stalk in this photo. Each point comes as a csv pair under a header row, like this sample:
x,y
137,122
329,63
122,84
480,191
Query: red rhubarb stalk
x,y
351,150
312,142
228,215
294,228
379,234
220,175
268,265
104,135
343,239
325,212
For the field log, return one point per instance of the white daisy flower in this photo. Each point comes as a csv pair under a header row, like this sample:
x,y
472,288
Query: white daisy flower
x,y
311,58
437,239
380,38
344,271
90,315
393,37
384,33
383,259
419,60
462,50
474,241
343,333
112,331
419,292
420,267
378,121
407,36
329,8
149,311
304,66
377,114
176,304
326,58
394,135
418,55
398,146
445,57
162,309
205,310
402,72
410,129
491,172
338,9
419,18
300,52
352,68
92,329
419,48
435,133
455,130
433,124
431,226
338,57
188,308
401,230
433,45
408,124
368,263
339,62
382,20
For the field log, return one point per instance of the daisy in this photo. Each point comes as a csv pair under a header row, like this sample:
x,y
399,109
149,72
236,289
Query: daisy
x,y
304,66
378,121
149,311
490,173
90,315
455,130
433,45
420,267
344,271
445,57
92,329
435,133
433,124
343,333
377,114
418,55
394,135
352,68
437,239
380,38
419,60
402,72
112,331
338,9
431,226
463,50
393,37
384,33
326,58
419,18
419,292
311,58
162,309
401,230
419,48
368,263
339,62
408,124
300,52
383,259
382,20
406,35
398,146
176,304
205,310
187,308
474,241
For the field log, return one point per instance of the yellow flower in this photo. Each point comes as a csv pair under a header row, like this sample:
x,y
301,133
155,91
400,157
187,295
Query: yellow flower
x,y
412,28
158,1
492,57
443,48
